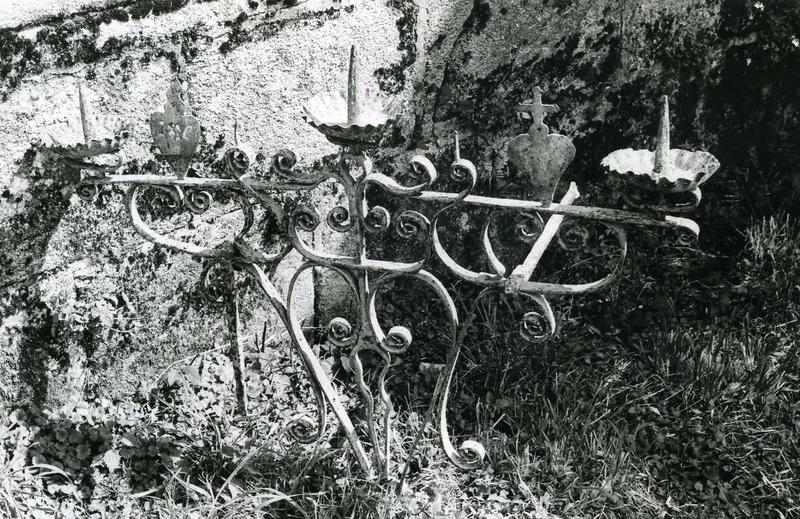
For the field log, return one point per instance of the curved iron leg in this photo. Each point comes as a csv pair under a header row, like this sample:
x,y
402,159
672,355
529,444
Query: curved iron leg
x,y
316,372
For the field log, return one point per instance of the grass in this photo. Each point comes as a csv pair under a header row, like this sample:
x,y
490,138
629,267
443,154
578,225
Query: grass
x,y
692,419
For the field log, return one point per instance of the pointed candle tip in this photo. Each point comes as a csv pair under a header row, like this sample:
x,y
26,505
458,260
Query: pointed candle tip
x,y
86,125
352,88
661,162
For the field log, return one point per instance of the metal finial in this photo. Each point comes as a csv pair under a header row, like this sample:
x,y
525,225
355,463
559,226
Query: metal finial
x,y
458,147
537,110
352,89
86,125
661,162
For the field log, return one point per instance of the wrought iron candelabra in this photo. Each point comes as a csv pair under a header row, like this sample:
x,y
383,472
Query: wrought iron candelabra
x,y
657,185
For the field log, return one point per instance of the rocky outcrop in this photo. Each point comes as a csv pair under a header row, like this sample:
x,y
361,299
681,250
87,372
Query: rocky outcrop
x,y
729,67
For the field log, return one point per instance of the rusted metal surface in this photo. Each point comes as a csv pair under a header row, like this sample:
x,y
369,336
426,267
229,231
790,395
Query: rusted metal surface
x,y
665,180
356,122
175,131
544,156
100,154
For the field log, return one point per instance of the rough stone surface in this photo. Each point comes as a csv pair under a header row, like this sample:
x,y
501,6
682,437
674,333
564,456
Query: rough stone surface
x,y
462,64
74,272
14,13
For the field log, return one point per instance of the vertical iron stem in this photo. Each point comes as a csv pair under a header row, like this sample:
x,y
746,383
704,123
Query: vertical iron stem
x,y
235,351
316,371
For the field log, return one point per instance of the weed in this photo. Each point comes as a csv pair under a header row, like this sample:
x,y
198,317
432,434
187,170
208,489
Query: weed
x,y
687,420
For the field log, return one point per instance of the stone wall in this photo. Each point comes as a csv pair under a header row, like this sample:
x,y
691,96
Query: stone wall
x,y
74,272
729,67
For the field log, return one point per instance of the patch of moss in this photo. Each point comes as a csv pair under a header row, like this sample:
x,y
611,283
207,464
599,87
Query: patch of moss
x,y
19,57
237,35
479,17
65,41
142,8
392,79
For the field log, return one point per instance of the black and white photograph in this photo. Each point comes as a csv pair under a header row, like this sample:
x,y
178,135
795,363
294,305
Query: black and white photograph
x,y
399,259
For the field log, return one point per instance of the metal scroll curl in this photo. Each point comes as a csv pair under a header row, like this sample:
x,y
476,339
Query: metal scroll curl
x,y
542,288
302,428
463,172
412,225
174,198
312,364
399,338
527,229
469,454
306,218
616,239
357,215
164,200
216,281
376,219
540,324
198,201
87,191
283,166
573,235
340,332
421,172
339,219
238,160
477,277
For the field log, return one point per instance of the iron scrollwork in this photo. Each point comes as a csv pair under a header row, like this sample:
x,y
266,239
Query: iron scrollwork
x,y
356,123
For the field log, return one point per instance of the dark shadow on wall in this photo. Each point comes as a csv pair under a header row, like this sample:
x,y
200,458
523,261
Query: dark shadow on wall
x,y
729,69
23,244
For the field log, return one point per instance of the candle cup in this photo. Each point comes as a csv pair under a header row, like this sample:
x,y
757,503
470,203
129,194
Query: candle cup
x,y
357,117
664,173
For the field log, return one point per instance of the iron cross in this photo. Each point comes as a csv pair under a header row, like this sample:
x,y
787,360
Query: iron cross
x,y
535,108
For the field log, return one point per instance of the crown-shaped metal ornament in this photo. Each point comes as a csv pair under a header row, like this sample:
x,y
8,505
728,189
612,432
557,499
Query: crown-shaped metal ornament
x,y
175,131
424,220
542,155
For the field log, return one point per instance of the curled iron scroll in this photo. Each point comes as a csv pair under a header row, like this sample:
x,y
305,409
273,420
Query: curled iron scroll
x,y
398,338
540,324
340,332
540,288
470,453
177,197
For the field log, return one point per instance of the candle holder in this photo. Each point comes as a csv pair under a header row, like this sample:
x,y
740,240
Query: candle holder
x,y
356,122
88,155
356,118
666,180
